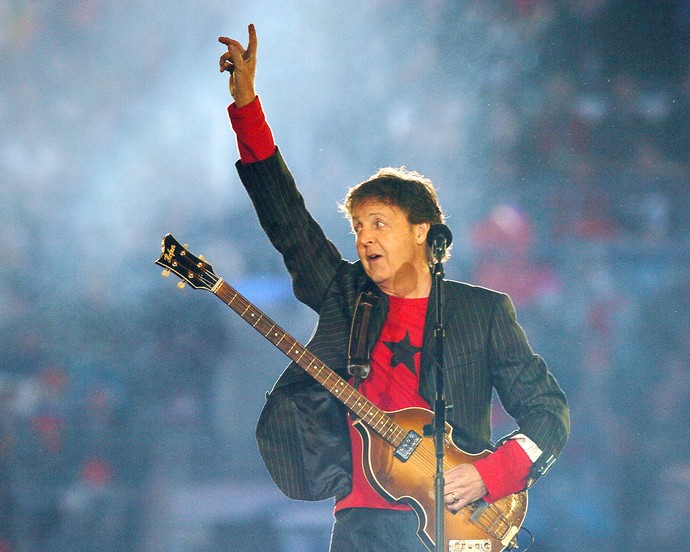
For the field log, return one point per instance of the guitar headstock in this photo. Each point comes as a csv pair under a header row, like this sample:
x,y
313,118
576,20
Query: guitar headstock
x,y
193,270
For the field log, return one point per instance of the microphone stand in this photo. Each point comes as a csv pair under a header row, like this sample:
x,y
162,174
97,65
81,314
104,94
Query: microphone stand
x,y
439,425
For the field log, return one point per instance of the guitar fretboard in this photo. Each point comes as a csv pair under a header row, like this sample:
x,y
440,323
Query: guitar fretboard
x,y
369,413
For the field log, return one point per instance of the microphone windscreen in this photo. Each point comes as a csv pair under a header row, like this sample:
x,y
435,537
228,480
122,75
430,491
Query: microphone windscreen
x,y
437,230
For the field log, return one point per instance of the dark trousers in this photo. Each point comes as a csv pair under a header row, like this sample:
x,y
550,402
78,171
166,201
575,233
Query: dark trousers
x,y
374,530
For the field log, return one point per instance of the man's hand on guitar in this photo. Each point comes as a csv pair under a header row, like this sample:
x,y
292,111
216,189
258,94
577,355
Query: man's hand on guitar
x,y
463,486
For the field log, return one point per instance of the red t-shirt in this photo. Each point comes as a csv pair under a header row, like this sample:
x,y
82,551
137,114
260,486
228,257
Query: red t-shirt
x,y
393,383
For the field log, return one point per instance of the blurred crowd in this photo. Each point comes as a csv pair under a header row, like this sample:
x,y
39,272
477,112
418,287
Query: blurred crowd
x,y
558,135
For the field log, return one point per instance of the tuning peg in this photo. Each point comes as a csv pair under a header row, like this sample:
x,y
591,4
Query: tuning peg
x,y
202,258
165,273
180,285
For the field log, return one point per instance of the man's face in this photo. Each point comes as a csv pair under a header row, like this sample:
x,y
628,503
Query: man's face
x,y
392,251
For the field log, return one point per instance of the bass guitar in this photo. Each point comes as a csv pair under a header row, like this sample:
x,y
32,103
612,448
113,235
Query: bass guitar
x,y
399,460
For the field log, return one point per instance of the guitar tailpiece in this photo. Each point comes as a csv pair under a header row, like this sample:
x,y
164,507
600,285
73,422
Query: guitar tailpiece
x,y
469,545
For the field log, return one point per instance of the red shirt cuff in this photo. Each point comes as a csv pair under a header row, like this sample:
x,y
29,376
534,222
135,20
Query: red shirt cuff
x,y
505,471
254,137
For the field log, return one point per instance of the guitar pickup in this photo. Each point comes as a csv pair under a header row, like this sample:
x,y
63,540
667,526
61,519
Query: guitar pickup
x,y
408,446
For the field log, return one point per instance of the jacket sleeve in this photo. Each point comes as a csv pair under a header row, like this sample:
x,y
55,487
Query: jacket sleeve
x,y
311,259
528,391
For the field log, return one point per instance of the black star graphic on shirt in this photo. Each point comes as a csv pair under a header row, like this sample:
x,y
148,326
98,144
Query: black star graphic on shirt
x,y
403,352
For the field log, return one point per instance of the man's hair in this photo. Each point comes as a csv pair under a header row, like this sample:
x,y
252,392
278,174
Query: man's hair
x,y
404,189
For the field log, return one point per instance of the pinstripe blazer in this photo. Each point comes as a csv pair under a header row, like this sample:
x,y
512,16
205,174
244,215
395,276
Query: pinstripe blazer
x,y
302,433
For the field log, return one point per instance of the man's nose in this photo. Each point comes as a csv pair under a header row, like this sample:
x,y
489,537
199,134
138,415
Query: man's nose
x,y
364,237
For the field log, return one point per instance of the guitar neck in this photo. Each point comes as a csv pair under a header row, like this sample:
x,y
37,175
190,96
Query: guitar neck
x,y
374,417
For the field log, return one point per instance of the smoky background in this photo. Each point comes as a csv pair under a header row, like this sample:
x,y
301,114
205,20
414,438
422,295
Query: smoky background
x,y
557,135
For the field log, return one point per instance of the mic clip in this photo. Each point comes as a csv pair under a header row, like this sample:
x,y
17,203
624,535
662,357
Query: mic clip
x,y
360,371
438,249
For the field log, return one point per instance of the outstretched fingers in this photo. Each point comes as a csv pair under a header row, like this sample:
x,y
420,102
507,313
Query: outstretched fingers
x,y
236,53
253,42
231,43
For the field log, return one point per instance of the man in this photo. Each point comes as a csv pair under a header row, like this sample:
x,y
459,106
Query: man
x,y
305,436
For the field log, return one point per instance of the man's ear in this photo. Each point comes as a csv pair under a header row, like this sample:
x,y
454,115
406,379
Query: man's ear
x,y
422,231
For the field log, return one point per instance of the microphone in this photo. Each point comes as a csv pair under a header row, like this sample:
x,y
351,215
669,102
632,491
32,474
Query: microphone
x,y
439,239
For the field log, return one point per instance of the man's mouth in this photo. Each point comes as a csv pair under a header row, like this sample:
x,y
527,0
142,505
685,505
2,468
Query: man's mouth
x,y
373,257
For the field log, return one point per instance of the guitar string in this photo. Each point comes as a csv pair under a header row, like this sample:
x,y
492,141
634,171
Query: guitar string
x,y
420,458
423,454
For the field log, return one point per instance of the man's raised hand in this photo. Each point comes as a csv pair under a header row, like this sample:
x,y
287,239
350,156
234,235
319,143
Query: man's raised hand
x,y
241,64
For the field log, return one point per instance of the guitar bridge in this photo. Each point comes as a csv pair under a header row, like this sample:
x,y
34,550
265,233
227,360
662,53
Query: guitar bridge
x,y
408,446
